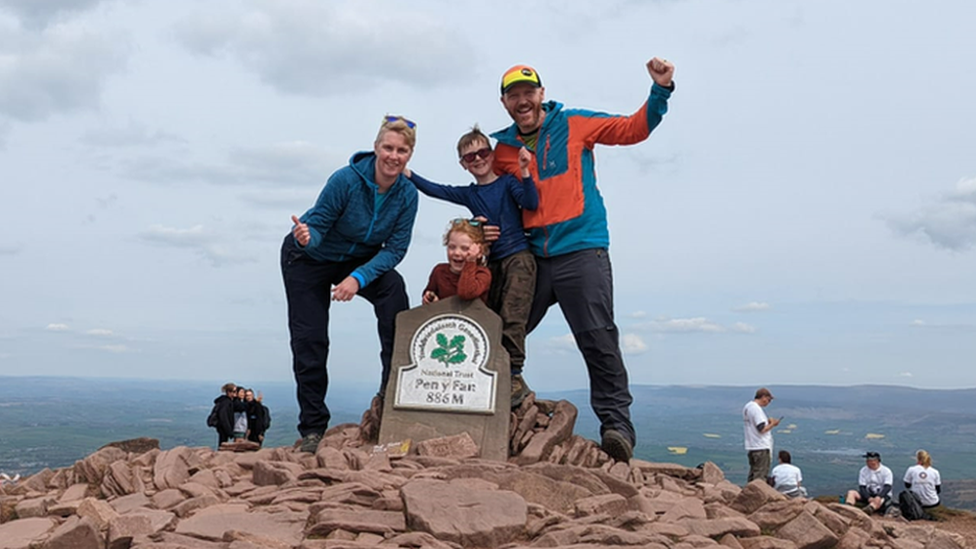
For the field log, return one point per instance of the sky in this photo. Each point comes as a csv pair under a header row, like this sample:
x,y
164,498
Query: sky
x,y
805,213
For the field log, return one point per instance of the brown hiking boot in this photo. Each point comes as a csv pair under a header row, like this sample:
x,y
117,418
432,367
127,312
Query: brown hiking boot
x,y
519,390
616,445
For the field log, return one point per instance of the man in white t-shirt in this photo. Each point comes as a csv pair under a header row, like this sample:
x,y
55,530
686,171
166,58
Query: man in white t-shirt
x,y
758,434
786,478
873,485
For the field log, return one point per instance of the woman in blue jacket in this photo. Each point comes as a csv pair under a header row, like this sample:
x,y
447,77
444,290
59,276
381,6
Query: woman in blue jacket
x,y
349,243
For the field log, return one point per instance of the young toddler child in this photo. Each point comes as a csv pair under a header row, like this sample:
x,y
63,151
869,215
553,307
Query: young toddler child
x,y
464,274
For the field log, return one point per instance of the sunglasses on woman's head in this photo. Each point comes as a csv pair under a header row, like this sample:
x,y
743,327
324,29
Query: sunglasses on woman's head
x,y
391,119
480,153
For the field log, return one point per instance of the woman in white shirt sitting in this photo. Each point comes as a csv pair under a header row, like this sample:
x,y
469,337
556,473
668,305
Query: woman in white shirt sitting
x,y
924,480
786,477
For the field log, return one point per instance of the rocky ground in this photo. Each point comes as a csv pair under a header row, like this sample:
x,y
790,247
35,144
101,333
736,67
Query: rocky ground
x,y
558,490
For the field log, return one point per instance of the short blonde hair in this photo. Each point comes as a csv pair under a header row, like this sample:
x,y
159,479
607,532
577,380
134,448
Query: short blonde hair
x,y
400,125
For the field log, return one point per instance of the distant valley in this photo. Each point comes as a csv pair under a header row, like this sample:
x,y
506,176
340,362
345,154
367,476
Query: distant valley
x,y
52,422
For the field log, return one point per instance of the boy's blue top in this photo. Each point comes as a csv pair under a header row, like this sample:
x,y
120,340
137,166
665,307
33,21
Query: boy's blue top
x,y
499,202
352,220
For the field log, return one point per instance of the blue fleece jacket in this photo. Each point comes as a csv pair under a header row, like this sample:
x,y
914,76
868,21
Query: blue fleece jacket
x,y
500,202
352,220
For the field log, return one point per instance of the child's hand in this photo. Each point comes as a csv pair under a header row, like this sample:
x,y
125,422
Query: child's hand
x,y
524,158
474,253
429,297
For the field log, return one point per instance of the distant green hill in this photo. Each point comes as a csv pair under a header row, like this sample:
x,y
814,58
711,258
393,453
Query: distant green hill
x,y
52,422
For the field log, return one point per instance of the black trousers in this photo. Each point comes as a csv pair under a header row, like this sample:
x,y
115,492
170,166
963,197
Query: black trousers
x,y
308,289
582,284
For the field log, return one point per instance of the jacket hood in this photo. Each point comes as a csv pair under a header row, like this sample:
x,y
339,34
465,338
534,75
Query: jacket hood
x,y
364,164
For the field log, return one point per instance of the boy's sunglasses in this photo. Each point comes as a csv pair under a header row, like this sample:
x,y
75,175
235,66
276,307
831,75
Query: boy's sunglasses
x,y
462,220
391,119
480,153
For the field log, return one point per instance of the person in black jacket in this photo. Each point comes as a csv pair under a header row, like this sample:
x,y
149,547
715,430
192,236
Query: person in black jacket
x,y
222,415
257,417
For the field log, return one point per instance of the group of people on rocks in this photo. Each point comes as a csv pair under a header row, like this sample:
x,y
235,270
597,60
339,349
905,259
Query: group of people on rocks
x,y
923,482
538,236
239,415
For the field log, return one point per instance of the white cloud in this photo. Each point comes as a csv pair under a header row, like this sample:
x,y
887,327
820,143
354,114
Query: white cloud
x,y
638,314
742,328
685,325
58,70
752,307
40,13
918,322
698,324
632,344
314,48
100,332
562,344
133,134
295,163
53,327
905,374
949,223
10,249
206,244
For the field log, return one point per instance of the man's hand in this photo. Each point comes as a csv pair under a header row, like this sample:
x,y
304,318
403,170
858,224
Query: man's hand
x,y
492,232
429,297
300,232
345,290
525,157
406,172
661,70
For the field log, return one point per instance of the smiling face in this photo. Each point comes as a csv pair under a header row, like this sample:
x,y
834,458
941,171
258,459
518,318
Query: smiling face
x,y
524,104
392,154
479,167
460,247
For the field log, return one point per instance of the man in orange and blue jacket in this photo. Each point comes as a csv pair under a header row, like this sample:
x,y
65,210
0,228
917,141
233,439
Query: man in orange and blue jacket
x,y
568,231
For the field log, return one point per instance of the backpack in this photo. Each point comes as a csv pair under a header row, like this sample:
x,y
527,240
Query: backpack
x,y
212,418
267,418
909,506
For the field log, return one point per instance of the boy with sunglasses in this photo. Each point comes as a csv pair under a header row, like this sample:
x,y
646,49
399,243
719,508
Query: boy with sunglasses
x,y
499,199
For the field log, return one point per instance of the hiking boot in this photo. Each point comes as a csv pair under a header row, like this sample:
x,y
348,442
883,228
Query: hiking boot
x,y
519,390
310,443
616,445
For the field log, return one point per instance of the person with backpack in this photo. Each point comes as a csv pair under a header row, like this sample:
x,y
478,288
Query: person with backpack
x,y
874,485
922,484
221,415
258,417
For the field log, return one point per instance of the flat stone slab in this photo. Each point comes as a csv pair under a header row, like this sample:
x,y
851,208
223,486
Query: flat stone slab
x,y
213,522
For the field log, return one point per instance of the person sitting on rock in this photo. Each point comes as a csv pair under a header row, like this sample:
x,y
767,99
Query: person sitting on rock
x,y
924,480
786,477
874,485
